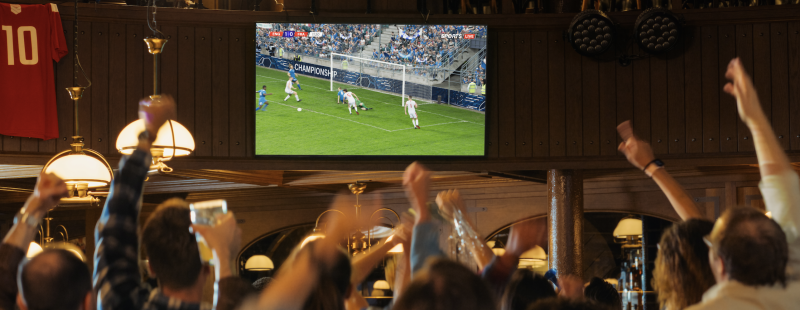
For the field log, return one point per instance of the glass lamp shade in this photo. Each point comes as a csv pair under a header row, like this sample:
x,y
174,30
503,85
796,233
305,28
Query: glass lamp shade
x,y
534,257
259,263
499,251
381,285
80,168
310,238
396,249
128,139
33,250
628,227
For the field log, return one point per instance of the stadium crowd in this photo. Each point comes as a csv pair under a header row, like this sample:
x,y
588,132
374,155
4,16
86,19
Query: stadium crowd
x,y
743,260
420,47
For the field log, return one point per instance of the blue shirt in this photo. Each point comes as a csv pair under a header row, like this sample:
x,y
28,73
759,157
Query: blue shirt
x,y
341,94
263,93
291,72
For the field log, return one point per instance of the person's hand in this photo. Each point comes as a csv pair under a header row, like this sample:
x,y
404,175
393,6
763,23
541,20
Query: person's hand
x,y
525,236
416,181
402,233
741,87
571,287
449,201
225,237
155,113
48,192
637,151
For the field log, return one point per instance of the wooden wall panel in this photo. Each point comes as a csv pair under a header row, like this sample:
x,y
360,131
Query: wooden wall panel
x,y
219,91
624,85
202,103
134,90
608,107
659,105
744,50
711,86
556,92
237,60
779,71
550,101
641,96
539,89
117,118
85,104
728,117
793,34
693,106
101,141
676,97
506,97
522,94
591,106
573,79
186,85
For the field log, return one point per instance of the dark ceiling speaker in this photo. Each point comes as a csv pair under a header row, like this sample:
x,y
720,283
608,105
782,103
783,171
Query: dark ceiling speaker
x,y
591,33
657,30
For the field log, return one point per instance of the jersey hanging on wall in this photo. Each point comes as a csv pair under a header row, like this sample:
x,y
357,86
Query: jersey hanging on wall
x,y
31,38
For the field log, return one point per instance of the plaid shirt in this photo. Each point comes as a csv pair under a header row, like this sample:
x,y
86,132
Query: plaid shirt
x,y
117,281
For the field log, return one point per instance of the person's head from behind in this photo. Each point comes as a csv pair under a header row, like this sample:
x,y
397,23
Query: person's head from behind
x,y
525,288
682,272
444,284
55,279
172,252
333,287
748,247
603,293
264,87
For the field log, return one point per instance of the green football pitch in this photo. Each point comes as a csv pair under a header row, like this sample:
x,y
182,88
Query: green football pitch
x,y
324,127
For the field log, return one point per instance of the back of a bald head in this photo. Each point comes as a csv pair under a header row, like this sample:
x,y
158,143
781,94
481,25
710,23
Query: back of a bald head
x,y
753,247
54,280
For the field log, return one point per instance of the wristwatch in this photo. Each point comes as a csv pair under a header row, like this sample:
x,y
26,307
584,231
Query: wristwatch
x,y
27,218
652,166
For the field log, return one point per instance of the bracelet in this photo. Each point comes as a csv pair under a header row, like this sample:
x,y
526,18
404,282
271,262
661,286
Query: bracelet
x,y
26,218
650,163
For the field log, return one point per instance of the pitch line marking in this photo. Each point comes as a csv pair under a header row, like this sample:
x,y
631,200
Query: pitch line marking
x,y
461,120
426,126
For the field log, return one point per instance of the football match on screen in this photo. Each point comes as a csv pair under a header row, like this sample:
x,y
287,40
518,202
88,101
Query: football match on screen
x,y
370,89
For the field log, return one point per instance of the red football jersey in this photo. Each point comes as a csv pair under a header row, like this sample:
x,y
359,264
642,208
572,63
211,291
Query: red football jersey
x,y
33,38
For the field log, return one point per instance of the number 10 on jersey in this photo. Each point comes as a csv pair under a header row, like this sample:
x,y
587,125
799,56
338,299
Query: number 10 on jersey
x,y
23,55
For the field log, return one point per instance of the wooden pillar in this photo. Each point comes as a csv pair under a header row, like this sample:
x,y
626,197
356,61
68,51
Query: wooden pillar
x,y
565,196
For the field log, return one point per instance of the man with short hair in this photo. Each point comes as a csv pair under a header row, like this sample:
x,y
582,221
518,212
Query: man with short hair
x,y
754,259
174,258
410,109
48,267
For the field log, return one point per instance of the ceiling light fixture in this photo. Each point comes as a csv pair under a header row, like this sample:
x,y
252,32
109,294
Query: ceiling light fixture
x,y
657,30
173,139
81,168
259,263
591,33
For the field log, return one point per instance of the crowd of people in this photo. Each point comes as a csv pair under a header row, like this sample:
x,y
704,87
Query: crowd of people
x,y
420,47
743,260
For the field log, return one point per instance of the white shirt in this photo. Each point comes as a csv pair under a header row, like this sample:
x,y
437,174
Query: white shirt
x,y
289,86
412,106
781,194
349,97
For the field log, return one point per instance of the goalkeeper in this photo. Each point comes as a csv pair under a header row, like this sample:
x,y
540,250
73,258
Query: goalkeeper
x,y
361,105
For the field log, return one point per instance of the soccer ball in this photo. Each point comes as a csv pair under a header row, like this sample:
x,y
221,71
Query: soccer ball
x,y
299,109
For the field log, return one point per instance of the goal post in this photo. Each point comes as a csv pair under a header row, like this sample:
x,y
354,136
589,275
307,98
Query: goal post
x,y
374,74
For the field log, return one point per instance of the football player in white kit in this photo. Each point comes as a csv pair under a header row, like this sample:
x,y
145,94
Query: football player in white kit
x,y
289,91
351,101
410,108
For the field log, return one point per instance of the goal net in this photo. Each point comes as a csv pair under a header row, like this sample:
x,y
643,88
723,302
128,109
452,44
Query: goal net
x,y
380,76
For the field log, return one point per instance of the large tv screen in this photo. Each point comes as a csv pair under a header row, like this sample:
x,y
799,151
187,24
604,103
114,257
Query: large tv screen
x,y
370,89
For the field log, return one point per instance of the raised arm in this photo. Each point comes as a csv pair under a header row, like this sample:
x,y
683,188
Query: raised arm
x,y
116,275
48,191
363,264
779,184
640,155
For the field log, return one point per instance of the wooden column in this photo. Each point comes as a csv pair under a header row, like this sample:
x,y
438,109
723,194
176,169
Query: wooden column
x,y
565,196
